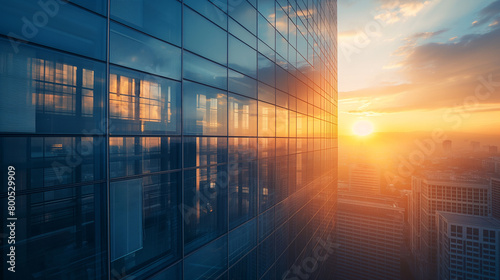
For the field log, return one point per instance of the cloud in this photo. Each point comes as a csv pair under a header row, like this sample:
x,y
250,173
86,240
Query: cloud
x,y
392,11
444,75
411,42
490,14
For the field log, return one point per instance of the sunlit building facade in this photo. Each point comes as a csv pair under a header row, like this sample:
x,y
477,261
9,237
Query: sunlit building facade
x,y
468,247
433,192
370,232
169,139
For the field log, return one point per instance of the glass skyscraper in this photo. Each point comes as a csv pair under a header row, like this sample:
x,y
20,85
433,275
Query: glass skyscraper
x,y
165,139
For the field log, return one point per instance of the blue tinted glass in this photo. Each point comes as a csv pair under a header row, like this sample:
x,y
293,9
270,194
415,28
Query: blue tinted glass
x,y
281,178
242,84
267,93
246,268
266,255
267,51
266,32
143,104
135,50
145,222
53,161
208,262
204,71
204,38
267,175
266,8
47,92
56,25
172,273
203,151
242,58
242,149
139,155
205,110
97,6
266,70
151,17
245,14
205,205
212,11
241,33
68,223
281,46
282,79
242,240
242,116
242,192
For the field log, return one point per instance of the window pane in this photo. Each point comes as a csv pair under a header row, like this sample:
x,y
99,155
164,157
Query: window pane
x,y
267,93
242,149
150,230
139,155
242,116
242,84
245,14
242,240
266,71
246,268
151,17
203,151
68,223
242,192
210,11
281,122
143,104
53,161
242,58
97,6
205,110
47,92
204,38
205,205
204,71
267,125
135,50
241,33
207,263
267,175
64,27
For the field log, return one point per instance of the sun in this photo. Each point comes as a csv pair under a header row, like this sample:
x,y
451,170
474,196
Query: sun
x,y
362,128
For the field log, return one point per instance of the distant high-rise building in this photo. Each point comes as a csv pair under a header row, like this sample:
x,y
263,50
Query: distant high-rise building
x,y
168,139
447,146
364,178
434,192
493,149
370,238
468,247
495,197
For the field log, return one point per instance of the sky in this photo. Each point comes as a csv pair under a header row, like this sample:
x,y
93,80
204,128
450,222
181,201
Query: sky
x,y
419,65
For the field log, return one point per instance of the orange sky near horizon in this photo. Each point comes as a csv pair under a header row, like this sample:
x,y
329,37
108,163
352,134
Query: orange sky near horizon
x,y
412,65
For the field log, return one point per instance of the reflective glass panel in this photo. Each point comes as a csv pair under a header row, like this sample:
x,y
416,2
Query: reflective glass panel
x,y
143,104
242,116
205,110
136,50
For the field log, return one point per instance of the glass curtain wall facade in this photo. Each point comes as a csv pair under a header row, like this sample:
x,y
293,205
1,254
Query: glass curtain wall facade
x,y
168,139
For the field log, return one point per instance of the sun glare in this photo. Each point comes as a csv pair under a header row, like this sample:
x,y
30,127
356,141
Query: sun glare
x,y
362,128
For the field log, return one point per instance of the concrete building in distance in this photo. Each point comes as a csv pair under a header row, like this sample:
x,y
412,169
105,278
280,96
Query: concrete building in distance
x,y
168,139
468,247
370,237
495,197
364,179
432,192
